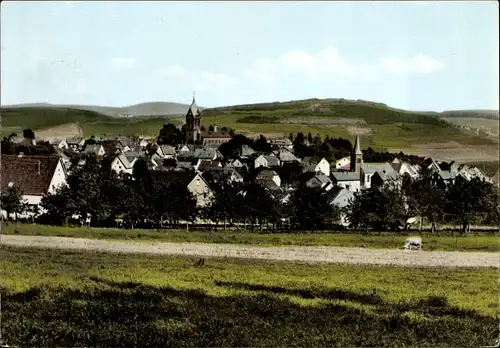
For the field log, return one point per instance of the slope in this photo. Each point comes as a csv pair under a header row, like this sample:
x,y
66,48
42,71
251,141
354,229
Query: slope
x,y
142,109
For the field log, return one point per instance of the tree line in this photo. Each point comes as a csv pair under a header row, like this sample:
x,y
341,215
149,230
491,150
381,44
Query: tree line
x,y
141,200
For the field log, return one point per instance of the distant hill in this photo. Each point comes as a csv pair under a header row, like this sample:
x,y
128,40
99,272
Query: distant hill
x,y
488,114
137,110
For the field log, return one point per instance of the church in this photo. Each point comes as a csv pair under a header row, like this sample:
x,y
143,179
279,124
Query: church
x,y
194,132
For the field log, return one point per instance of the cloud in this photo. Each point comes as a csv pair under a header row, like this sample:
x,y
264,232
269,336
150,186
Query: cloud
x,y
329,63
262,72
123,63
198,80
419,63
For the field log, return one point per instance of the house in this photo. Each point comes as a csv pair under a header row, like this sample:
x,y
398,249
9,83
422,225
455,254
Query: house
x,y
348,180
166,151
215,174
214,138
384,177
75,144
341,198
343,163
194,182
236,163
34,175
266,161
268,175
369,169
403,168
245,152
315,164
443,178
112,147
434,167
278,142
96,149
145,142
59,143
203,165
494,179
321,181
285,156
125,162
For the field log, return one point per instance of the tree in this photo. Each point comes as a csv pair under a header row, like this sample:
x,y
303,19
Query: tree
x,y
11,201
222,206
28,134
309,208
467,201
426,200
58,206
170,135
253,202
211,128
377,208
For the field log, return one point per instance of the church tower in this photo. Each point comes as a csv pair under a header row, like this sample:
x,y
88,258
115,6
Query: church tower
x,y
356,157
193,123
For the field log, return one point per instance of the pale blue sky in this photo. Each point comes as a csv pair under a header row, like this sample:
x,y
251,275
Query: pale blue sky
x,y
420,56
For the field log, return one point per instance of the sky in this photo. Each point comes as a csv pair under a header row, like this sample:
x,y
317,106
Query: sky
x,y
413,55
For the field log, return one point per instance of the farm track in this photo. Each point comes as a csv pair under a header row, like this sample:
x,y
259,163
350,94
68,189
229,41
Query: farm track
x,y
307,254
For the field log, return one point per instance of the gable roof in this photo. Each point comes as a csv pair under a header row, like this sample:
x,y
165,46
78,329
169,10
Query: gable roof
x,y
272,160
285,155
32,174
266,174
167,150
341,197
346,176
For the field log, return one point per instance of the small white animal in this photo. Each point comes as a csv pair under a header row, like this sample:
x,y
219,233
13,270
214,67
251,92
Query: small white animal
x,y
413,243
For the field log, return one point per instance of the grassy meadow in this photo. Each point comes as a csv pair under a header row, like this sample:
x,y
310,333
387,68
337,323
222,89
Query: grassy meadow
x,y
69,298
474,242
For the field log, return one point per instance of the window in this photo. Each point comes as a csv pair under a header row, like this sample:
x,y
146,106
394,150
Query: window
x,y
197,182
368,178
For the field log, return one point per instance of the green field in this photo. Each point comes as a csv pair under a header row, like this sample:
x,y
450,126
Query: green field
x,y
66,298
384,127
476,242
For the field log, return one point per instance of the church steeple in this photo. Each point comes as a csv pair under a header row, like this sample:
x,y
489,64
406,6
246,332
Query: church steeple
x,y
193,123
356,156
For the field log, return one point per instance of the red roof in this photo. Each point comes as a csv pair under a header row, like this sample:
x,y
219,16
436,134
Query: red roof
x,y
212,135
32,174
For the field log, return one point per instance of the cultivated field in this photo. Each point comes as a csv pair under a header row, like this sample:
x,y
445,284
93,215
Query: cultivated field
x,y
444,242
68,298
65,131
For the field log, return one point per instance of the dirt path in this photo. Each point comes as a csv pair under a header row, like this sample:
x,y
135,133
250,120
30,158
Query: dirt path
x,y
299,254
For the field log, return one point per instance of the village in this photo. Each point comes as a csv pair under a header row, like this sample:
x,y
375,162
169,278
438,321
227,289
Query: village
x,y
278,166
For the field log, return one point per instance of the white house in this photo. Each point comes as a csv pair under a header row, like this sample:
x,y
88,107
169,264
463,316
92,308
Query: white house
x,y
316,165
266,161
343,162
368,169
34,175
348,180
123,163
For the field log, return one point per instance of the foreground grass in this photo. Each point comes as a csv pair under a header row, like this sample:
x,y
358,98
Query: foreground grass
x,y
475,242
60,298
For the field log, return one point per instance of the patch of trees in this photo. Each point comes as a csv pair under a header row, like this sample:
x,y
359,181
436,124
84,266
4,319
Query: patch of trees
x,y
463,202
9,147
